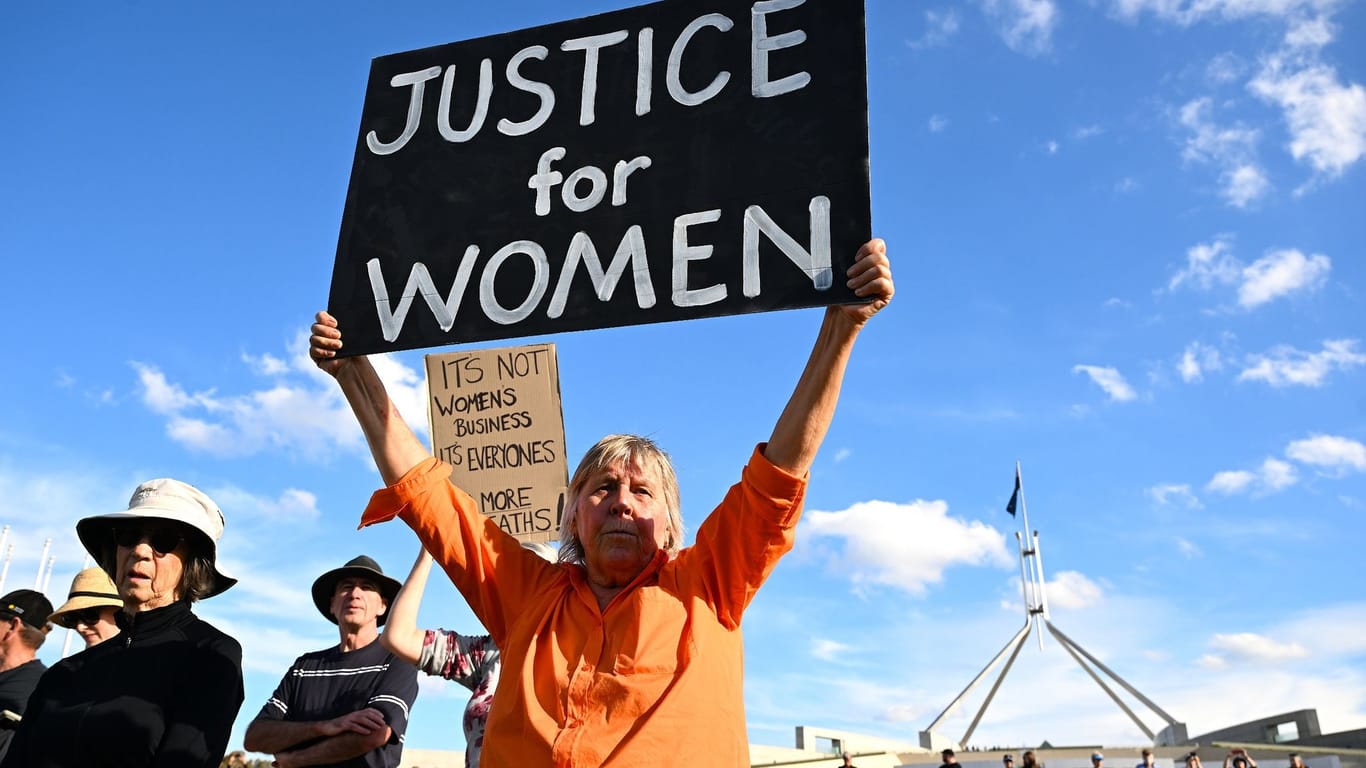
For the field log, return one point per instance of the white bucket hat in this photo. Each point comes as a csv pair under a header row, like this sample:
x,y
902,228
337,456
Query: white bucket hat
x,y
163,499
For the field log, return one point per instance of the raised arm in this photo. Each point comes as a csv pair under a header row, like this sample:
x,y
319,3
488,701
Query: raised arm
x,y
802,426
401,635
392,442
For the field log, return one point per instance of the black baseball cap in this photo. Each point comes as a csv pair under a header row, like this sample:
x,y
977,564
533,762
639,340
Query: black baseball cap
x,y
30,606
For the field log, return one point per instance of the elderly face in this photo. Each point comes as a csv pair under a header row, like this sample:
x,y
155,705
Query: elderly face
x,y
148,563
622,520
357,602
95,625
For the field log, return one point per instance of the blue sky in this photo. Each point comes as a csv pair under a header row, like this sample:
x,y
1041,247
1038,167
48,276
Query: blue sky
x,y
1127,256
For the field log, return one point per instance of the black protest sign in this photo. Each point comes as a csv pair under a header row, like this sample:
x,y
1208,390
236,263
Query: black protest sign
x,y
676,160
495,417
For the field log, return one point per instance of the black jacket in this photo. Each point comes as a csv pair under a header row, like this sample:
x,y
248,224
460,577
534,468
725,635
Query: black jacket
x,y
164,692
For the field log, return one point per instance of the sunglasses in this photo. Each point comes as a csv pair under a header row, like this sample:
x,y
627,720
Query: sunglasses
x,y
87,616
162,538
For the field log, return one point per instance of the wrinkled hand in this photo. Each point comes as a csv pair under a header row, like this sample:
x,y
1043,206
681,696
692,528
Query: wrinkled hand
x,y
361,721
324,343
870,277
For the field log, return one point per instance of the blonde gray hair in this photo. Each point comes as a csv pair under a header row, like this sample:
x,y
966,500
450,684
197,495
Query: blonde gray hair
x,y
631,451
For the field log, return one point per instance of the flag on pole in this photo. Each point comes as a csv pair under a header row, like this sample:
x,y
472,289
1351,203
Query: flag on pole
x,y
1015,494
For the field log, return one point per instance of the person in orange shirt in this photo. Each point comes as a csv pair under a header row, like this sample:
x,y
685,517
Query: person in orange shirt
x,y
628,651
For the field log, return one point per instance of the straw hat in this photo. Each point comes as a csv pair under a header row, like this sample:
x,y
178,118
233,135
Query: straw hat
x,y
164,499
92,588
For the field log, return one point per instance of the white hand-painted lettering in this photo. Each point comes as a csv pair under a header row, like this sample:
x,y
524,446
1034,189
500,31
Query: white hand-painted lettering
x,y
675,66
489,303
683,253
631,249
623,169
590,47
761,45
418,82
481,106
597,189
645,63
517,80
419,281
815,261
544,178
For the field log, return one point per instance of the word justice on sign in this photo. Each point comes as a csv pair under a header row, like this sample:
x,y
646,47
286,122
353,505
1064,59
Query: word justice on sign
x,y
813,260
762,45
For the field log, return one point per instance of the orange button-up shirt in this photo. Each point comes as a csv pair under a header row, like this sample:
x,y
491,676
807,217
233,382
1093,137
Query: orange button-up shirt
x,y
654,680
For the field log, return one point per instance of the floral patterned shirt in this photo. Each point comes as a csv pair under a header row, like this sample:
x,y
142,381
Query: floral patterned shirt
x,y
472,661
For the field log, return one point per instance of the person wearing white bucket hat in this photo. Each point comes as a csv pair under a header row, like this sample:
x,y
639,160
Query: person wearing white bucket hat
x,y
90,607
167,690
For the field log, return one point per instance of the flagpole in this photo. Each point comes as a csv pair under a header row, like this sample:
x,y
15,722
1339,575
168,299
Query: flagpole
x,y
1024,510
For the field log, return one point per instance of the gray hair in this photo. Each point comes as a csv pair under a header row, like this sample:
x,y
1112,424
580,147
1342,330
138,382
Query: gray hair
x,y
630,450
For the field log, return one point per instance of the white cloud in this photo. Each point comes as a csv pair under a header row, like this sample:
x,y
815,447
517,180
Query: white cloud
x,y
1108,379
1230,482
938,123
1276,475
842,454
1285,366
1247,646
1233,150
291,506
1329,452
829,650
1225,68
266,365
159,395
1211,661
1207,265
1188,549
906,546
1026,26
1187,12
940,27
1244,185
1088,132
301,409
1310,32
1326,119
1280,273
1197,359
1273,475
1051,147
1070,589
1172,493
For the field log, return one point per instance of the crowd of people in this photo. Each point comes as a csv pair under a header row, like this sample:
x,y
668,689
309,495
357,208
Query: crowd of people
x,y
622,649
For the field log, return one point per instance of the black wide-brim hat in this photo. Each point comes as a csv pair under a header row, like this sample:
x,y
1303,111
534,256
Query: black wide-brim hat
x,y
362,566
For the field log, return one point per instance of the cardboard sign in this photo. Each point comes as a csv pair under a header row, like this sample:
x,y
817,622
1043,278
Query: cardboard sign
x,y
683,159
495,418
